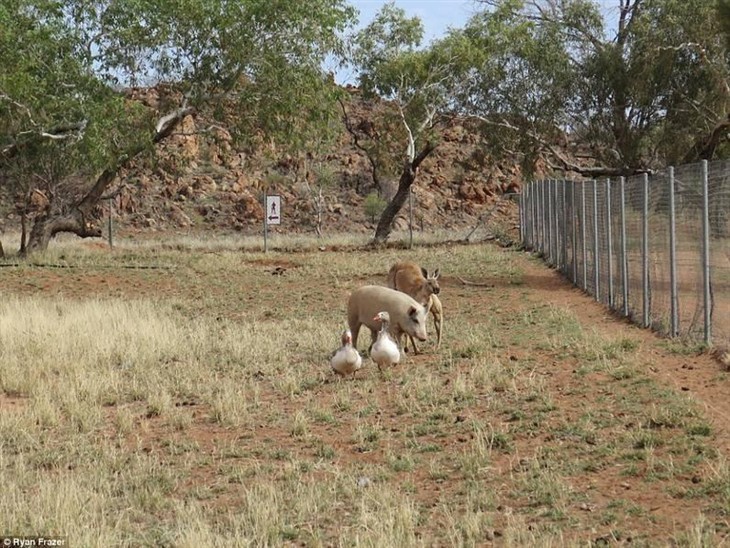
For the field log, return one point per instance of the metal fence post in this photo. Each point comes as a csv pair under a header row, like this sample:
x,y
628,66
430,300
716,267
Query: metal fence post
x,y
624,254
266,227
583,227
556,221
564,233
645,250
536,212
535,215
551,221
707,298
533,201
524,203
528,205
520,217
545,234
574,231
558,227
673,255
546,221
596,260
541,216
525,218
538,190
410,218
550,224
111,223
609,243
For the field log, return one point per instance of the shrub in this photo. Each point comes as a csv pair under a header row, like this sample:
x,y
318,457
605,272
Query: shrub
x,y
374,205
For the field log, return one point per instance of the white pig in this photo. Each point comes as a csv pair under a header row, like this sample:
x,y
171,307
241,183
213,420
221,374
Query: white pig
x,y
407,316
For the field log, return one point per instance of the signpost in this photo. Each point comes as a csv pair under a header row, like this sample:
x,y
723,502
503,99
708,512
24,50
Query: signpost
x,y
272,215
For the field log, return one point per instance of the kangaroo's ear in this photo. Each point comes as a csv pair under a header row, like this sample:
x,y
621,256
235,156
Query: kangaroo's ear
x,y
424,272
436,274
412,312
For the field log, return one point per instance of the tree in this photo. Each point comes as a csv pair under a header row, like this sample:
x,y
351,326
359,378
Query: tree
x,y
374,205
323,179
723,14
415,84
67,127
49,104
649,90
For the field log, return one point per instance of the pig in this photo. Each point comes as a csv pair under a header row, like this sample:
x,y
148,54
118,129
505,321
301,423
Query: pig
x,y
408,277
407,316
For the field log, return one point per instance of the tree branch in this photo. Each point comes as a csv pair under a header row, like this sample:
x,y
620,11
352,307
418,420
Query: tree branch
x,y
564,163
425,151
115,193
163,129
411,148
705,145
358,145
57,133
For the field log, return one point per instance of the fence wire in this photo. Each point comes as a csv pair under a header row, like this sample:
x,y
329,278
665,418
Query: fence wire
x,y
654,248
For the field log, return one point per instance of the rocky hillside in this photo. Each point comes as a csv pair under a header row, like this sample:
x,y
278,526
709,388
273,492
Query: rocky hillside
x,y
199,180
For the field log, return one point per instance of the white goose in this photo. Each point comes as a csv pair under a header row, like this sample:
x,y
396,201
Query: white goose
x,y
385,351
347,359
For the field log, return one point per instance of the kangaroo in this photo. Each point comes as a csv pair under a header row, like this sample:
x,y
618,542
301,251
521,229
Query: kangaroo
x,y
411,279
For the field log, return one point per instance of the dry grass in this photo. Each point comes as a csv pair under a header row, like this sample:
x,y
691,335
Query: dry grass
x,y
192,405
203,242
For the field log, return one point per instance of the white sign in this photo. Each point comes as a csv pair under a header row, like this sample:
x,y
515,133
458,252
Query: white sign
x,y
273,210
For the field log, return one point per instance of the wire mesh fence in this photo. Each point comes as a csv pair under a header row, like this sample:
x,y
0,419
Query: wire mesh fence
x,y
654,248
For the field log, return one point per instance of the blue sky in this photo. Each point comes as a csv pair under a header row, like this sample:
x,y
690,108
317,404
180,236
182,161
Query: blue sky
x,y
439,15
436,15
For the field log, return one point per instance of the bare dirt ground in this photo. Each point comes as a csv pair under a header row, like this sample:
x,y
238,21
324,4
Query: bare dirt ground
x,y
621,490
697,374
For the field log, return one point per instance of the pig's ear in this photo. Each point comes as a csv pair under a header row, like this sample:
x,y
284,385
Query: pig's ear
x,y
412,312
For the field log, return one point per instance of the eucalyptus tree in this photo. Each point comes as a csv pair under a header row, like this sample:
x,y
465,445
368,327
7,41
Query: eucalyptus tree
x,y
47,99
67,126
628,88
414,84
723,13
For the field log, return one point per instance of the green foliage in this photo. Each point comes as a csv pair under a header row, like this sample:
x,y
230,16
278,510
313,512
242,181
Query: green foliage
x,y
417,81
385,52
636,93
57,117
723,12
275,180
62,110
325,176
374,205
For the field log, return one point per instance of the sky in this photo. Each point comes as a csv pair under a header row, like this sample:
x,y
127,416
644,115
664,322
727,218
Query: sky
x,y
439,15
436,15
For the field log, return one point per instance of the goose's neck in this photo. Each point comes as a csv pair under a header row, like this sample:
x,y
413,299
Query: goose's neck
x,y
385,325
